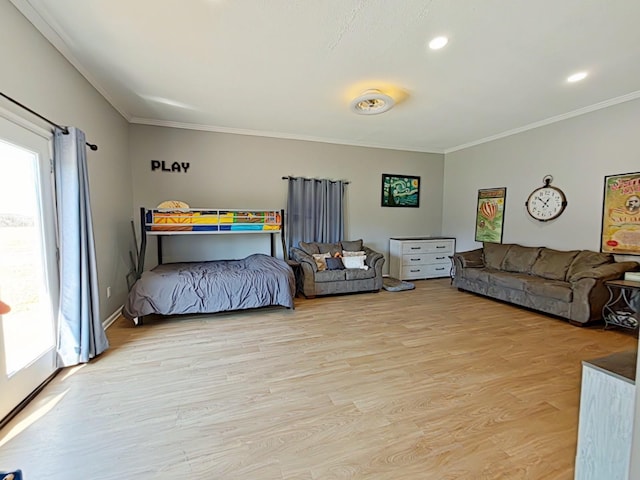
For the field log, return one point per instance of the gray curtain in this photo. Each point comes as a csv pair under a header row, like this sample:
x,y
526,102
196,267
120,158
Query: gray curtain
x,y
315,210
81,335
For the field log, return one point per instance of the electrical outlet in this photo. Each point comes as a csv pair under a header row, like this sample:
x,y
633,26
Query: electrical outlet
x,y
108,292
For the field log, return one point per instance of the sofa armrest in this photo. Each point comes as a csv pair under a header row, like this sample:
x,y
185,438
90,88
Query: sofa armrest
x,y
303,258
609,271
470,259
372,257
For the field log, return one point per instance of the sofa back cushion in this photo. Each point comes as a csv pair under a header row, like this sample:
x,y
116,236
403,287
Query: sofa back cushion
x,y
494,254
586,260
331,248
352,246
309,248
553,264
520,259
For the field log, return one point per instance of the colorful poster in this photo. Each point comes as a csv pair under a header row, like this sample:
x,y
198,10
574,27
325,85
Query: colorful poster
x,y
621,214
490,214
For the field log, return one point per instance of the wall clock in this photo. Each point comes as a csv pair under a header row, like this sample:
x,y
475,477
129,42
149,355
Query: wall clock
x,y
547,202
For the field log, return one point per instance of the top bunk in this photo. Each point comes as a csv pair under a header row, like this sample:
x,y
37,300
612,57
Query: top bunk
x,y
178,219
189,221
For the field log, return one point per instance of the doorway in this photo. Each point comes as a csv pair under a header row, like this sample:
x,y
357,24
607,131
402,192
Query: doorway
x,y
28,267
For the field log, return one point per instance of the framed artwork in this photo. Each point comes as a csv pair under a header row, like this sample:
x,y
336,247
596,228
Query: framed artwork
x,y
400,191
490,214
621,214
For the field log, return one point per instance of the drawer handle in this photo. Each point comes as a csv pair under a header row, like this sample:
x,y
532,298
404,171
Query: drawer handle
x,y
441,246
439,268
417,248
415,259
440,258
414,271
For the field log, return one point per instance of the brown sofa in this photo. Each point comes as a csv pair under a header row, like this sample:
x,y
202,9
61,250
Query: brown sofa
x,y
569,284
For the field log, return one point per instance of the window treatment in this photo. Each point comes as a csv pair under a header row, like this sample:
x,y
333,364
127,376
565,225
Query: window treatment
x,y
81,335
315,210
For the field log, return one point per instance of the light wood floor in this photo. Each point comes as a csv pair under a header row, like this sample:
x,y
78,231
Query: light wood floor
x,y
424,384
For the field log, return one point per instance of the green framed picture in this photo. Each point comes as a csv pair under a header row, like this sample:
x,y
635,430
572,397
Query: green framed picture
x,y
400,191
490,214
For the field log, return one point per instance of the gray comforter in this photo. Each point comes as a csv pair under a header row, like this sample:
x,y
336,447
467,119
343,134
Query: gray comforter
x,y
208,287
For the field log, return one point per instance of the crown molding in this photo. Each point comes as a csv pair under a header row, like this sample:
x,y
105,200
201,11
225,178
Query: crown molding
x,y
50,30
261,133
558,118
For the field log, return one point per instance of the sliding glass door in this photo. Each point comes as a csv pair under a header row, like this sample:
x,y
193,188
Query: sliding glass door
x,y
28,272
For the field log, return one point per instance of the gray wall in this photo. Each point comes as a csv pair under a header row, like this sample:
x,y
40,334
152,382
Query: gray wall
x,y
245,172
578,152
35,73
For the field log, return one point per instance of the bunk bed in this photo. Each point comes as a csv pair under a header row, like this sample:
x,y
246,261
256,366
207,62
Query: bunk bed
x,y
258,280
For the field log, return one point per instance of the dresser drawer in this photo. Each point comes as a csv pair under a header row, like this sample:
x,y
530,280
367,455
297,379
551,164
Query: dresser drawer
x,y
425,271
432,246
425,258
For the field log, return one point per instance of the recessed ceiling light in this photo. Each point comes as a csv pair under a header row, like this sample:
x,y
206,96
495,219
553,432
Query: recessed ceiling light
x,y
372,102
438,42
576,77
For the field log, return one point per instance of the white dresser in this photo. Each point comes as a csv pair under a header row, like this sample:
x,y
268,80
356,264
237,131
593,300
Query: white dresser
x,y
605,427
420,257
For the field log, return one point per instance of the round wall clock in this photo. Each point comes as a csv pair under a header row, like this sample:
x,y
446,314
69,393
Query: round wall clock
x,y
546,203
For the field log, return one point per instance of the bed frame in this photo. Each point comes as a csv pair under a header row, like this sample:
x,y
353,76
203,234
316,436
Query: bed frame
x,y
200,221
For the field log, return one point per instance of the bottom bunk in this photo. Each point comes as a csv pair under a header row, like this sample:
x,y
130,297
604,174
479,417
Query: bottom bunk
x,y
209,287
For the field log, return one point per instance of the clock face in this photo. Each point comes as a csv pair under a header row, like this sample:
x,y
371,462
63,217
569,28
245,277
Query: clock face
x,y
546,203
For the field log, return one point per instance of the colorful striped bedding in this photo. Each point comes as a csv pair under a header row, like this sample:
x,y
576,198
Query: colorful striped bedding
x,y
208,220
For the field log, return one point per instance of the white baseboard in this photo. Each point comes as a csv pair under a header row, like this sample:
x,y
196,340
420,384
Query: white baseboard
x,y
112,318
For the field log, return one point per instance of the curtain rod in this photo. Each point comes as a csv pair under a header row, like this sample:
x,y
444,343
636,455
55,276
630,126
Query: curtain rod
x,y
316,179
64,130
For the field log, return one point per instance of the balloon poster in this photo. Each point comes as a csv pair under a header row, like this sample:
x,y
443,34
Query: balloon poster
x,y
490,214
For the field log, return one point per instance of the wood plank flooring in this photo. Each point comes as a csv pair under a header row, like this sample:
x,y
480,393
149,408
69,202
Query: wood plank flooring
x,y
425,384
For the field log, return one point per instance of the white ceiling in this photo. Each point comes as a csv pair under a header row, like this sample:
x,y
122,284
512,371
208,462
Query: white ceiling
x,y
289,68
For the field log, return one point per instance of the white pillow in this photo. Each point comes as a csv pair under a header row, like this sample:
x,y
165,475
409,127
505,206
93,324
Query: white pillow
x,y
355,262
320,260
346,253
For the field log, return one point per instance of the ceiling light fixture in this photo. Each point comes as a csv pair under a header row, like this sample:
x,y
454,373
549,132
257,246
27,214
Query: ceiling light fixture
x,y
576,77
372,102
438,42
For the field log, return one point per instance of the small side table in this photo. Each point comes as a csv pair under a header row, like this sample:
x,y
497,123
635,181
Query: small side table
x,y
297,272
621,310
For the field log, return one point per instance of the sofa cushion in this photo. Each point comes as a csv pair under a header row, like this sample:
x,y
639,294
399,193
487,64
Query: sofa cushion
x,y
520,259
550,289
331,248
330,276
359,274
477,274
334,263
553,264
494,254
355,262
513,281
321,260
586,260
309,248
352,245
